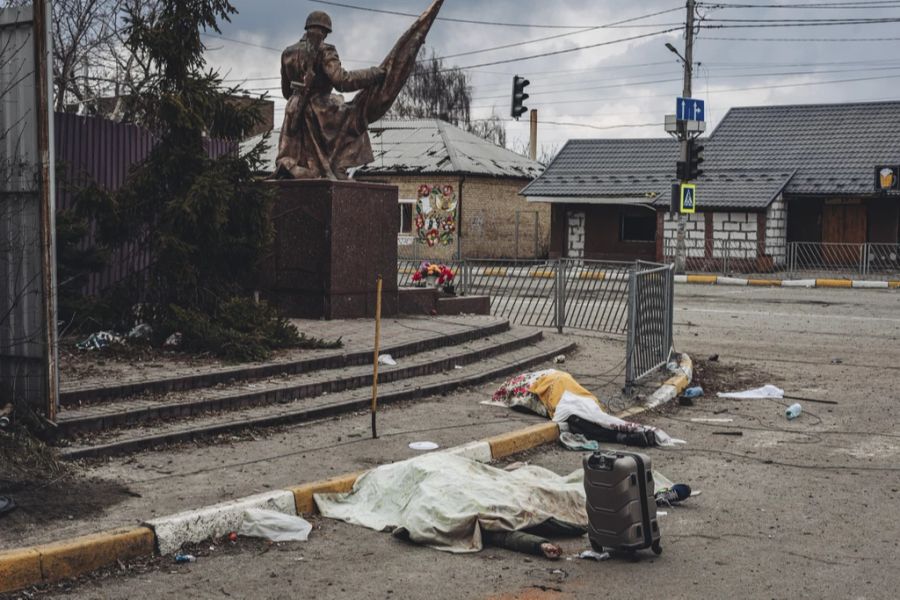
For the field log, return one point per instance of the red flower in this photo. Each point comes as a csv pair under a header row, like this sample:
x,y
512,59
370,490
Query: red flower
x,y
432,236
417,276
420,221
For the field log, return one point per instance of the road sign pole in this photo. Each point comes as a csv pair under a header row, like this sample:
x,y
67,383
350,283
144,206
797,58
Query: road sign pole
x,y
680,249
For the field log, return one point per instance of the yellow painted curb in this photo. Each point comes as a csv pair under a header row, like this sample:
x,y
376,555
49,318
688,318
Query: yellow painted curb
x,y
71,558
702,278
506,444
495,272
894,284
19,569
764,282
542,274
834,283
303,494
595,275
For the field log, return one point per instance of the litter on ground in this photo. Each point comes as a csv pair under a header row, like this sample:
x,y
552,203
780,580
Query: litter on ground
x,y
274,526
764,392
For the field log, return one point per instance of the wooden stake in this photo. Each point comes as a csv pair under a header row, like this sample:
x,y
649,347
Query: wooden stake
x,y
375,361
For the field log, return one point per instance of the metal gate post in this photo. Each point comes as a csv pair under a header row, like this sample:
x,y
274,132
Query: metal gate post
x,y
632,329
670,310
464,279
560,294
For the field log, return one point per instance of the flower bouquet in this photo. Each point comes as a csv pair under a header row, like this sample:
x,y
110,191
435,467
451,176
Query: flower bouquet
x,y
438,275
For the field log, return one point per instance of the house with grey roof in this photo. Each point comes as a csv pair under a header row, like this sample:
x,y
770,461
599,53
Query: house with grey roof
x,y
775,177
491,220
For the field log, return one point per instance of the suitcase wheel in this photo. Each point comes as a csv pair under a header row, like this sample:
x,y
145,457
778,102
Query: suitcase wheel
x,y
657,549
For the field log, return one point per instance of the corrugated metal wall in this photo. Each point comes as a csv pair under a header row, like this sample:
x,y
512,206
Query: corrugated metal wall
x,y
22,353
95,149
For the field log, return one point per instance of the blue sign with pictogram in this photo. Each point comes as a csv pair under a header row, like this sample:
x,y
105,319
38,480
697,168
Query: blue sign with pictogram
x,y
688,198
690,109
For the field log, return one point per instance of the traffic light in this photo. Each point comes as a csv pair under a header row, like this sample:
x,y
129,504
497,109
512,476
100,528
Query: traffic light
x,y
695,159
690,169
519,97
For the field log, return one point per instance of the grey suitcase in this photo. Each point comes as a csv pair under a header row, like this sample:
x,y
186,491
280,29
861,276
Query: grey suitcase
x,y
621,505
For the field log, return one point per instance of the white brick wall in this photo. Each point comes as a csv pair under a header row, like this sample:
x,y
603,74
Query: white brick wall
x,y
776,231
737,230
575,219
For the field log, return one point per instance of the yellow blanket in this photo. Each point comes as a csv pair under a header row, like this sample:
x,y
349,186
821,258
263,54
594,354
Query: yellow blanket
x,y
550,388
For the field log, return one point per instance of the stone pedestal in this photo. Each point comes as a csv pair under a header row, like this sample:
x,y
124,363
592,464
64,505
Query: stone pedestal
x,y
332,239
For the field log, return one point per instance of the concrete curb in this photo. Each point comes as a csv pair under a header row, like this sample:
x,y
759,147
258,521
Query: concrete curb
x,y
48,563
792,283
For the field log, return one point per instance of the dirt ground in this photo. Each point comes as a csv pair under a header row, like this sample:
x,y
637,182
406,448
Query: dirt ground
x,y
808,508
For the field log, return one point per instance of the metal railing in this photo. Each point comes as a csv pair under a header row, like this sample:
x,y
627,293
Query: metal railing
x,y
843,259
630,299
797,259
729,256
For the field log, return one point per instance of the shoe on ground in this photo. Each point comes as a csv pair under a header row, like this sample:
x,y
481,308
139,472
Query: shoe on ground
x,y
677,493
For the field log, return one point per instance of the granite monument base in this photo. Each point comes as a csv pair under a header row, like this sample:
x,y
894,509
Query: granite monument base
x,y
332,240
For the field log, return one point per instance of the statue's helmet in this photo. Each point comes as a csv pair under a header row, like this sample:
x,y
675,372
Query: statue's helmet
x,y
317,18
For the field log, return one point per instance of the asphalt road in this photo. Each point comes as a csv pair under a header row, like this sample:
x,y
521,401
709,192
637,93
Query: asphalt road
x,y
802,509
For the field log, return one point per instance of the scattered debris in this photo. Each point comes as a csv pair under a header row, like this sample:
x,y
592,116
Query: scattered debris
x,y
387,359
576,441
712,420
837,361
713,358
592,555
274,526
674,495
233,537
734,433
764,392
142,331
174,340
682,401
693,392
185,558
99,341
793,411
7,505
423,446
560,359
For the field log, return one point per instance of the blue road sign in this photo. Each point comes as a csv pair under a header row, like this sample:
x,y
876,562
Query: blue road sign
x,y
690,109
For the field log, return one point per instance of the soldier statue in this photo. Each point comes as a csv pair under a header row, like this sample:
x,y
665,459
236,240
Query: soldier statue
x,y
323,136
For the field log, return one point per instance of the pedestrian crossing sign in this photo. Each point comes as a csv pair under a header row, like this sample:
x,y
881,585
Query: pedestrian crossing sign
x,y
688,198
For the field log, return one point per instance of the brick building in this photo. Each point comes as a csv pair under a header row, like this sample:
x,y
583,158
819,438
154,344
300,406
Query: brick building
x,y
775,177
494,220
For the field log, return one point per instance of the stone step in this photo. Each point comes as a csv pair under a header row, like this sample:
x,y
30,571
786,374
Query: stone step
x,y
490,369
178,405
417,342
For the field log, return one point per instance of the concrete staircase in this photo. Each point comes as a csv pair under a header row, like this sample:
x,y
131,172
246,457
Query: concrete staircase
x,y
132,416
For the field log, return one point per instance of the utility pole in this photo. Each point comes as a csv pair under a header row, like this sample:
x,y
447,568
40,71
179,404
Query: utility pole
x,y
680,250
534,126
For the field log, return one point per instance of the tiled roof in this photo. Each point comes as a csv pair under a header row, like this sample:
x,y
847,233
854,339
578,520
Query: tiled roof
x,y
833,147
753,154
434,146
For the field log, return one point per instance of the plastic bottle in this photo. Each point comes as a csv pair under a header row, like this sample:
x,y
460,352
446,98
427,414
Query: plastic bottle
x,y
793,411
185,558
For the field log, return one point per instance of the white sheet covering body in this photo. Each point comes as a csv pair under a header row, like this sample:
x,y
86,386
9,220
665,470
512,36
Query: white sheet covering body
x,y
445,501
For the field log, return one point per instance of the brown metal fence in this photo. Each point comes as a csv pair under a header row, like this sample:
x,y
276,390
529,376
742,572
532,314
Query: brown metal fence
x,y
96,150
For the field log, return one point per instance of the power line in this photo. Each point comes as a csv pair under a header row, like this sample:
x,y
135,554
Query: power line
x,y
815,5
744,89
797,24
467,21
829,40
569,50
670,80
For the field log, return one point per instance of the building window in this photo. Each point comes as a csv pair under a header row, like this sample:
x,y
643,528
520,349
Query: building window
x,y
406,216
638,228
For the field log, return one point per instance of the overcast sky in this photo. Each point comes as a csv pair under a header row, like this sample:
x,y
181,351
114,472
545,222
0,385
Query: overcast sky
x,y
625,88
